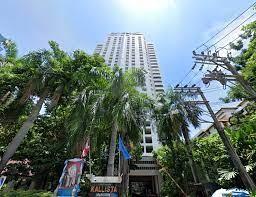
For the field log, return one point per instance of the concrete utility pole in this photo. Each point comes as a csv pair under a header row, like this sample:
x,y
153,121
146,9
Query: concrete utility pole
x,y
223,62
247,180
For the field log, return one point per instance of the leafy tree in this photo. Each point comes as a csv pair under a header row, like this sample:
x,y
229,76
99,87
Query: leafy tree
x,y
10,52
51,75
245,61
174,169
217,163
114,105
174,116
40,157
126,108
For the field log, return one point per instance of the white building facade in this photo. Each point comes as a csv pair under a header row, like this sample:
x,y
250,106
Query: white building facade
x,y
128,50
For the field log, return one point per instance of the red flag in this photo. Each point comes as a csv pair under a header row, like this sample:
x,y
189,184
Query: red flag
x,y
86,149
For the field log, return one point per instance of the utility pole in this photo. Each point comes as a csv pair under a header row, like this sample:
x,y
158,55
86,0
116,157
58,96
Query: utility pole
x,y
224,63
247,180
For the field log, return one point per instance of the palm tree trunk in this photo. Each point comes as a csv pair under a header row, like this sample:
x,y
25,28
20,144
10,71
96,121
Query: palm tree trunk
x,y
206,175
56,96
190,155
28,124
112,150
3,99
29,88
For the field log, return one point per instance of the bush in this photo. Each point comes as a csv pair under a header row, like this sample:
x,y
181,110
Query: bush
x,y
23,193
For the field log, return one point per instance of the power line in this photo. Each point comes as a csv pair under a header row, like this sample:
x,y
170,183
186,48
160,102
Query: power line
x,y
232,30
192,68
228,43
185,76
200,70
218,42
210,89
194,76
225,26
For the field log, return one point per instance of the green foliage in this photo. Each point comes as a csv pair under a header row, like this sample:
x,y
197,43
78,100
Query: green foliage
x,y
136,152
253,194
173,113
23,193
211,157
245,61
43,152
84,98
41,156
175,160
10,53
216,160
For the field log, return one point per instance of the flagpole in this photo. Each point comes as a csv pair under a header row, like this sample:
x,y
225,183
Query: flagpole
x,y
90,166
119,158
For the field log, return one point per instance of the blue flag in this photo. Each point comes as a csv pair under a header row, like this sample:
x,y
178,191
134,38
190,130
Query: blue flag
x,y
123,149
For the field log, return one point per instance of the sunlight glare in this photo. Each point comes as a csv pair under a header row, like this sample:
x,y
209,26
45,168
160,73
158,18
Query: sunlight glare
x,y
142,6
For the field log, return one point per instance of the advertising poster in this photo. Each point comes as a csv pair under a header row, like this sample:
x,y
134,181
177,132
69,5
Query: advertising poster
x,y
70,178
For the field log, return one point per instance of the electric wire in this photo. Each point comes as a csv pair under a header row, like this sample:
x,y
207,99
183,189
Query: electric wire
x,y
185,76
231,31
210,89
219,41
228,43
196,74
225,26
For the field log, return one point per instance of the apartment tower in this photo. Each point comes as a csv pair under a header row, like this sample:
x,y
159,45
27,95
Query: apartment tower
x,y
129,50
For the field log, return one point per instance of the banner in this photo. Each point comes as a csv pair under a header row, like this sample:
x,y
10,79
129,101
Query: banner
x,y
70,178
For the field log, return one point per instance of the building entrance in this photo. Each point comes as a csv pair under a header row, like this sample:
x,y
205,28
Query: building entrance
x,y
142,186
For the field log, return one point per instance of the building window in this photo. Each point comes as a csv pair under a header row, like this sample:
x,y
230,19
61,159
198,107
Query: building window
x,y
149,149
148,139
148,131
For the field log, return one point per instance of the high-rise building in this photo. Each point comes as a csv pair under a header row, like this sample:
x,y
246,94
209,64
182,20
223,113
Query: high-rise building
x,y
129,50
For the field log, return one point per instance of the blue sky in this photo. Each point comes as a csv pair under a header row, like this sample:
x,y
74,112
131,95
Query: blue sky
x,y
175,26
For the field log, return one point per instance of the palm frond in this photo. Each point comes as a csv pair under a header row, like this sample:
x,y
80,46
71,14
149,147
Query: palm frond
x,y
226,175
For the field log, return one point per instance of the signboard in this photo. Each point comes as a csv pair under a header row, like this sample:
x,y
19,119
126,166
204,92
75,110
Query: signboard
x,y
106,190
105,179
103,194
70,178
2,180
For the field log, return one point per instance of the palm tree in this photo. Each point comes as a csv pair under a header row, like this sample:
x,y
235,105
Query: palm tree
x,y
126,107
7,61
174,115
10,52
113,105
35,61
50,71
